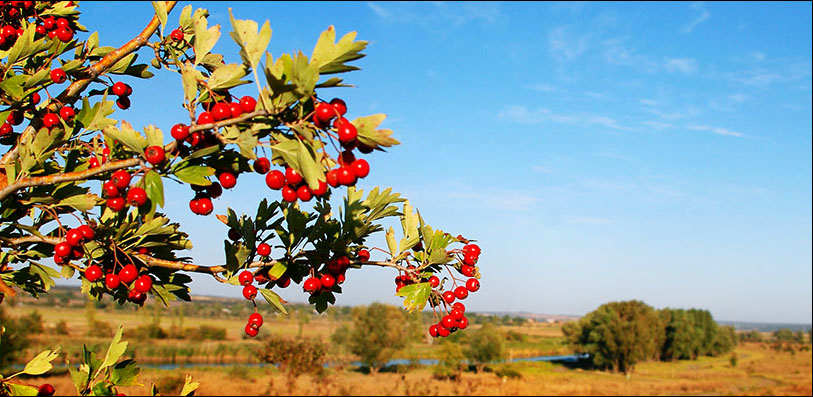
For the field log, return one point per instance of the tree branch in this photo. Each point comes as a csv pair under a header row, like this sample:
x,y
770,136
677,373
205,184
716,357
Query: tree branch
x,y
69,176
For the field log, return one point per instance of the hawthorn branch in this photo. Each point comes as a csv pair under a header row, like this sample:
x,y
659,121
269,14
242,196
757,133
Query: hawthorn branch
x,y
69,176
70,94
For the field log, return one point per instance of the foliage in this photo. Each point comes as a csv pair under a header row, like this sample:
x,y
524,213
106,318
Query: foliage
x,y
378,331
485,345
295,357
13,339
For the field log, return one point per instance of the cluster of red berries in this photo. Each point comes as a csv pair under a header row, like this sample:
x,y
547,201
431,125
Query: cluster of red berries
x,y
335,274
455,319
119,193
49,120
94,161
218,111
12,13
128,276
246,278
123,91
72,247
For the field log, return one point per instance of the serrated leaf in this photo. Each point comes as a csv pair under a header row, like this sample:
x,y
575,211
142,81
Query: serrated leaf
x,y
83,202
331,57
125,373
311,170
41,363
274,300
189,387
127,136
195,174
391,242
252,45
415,296
370,135
247,141
155,137
227,76
13,86
115,351
189,78
22,390
205,37
161,12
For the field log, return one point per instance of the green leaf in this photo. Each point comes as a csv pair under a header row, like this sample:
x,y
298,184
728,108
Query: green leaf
x,y
83,202
23,47
161,12
311,170
205,37
227,76
368,133
252,45
155,137
13,86
22,390
195,174
331,57
415,296
189,77
277,270
189,387
121,66
247,141
154,187
126,135
80,377
125,373
41,363
274,300
391,242
115,351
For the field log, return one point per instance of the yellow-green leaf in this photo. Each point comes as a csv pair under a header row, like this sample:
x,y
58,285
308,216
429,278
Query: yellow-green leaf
x,y
41,363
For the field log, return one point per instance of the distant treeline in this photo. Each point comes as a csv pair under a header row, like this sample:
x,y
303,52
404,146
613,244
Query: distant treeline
x,y
618,335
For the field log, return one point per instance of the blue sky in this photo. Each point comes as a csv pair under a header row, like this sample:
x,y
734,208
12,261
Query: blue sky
x,y
597,151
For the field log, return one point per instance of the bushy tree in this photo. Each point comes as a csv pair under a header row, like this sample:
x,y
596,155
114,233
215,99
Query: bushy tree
x,y
485,345
13,339
295,357
378,331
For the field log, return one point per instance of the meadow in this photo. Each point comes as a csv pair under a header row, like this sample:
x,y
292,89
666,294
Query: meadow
x,y
759,368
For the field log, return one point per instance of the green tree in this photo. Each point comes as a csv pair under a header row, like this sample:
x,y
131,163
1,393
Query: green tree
x,y
783,335
295,357
617,335
378,331
485,345
13,339
680,341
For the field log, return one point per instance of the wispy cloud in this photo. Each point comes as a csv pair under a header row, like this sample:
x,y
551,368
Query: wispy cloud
x,y
739,98
587,220
522,115
438,13
702,16
683,65
715,130
658,125
565,43
542,87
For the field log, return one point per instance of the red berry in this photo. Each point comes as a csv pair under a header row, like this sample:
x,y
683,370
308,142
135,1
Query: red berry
x,y
249,292
214,190
119,89
456,314
49,120
206,118
234,235
45,390
340,278
434,281
312,285
248,104
137,196
15,117
363,255
58,76
264,249
360,168
322,189
467,270
474,249
116,204
339,106
5,129
87,232
112,281
74,237
333,178
288,194
93,273
49,23
154,154
62,23
245,278
123,103
473,285
41,31
221,111
128,273
443,331
67,113
194,206
433,330
275,179
284,282
137,297
335,267
235,110
77,252
262,165
292,177
252,330
93,162
64,34
121,179
347,158
448,296
459,307
62,249
205,206
304,193
323,113
346,176
255,319
180,131
176,35
347,133
327,281
448,321
339,122
463,323
469,259
461,292
143,284
227,180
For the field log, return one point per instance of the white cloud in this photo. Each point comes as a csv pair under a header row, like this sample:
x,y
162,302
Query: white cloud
x,y
683,65
649,102
716,130
587,220
565,44
542,87
739,98
702,16
657,125
379,10
522,115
